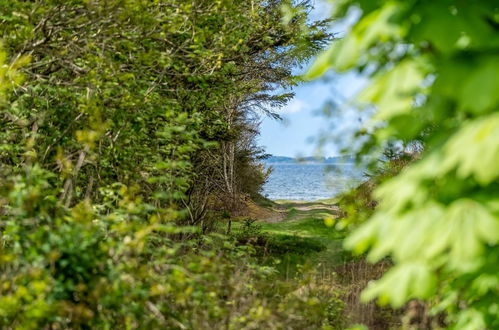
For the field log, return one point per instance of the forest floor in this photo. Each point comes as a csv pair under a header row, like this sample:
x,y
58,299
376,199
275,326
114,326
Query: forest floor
x,y
301,235
300,229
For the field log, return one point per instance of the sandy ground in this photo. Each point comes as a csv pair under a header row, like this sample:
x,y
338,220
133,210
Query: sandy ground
x,y
279,213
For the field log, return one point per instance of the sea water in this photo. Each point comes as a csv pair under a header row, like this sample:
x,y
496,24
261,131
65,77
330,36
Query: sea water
x,y
310,182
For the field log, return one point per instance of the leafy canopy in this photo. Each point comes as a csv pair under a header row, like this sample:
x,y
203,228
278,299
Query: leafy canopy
x,y
112,141
434,80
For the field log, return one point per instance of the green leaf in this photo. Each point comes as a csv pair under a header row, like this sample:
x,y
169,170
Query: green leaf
x,y
474,150
393,92
321,64
480,90
401,283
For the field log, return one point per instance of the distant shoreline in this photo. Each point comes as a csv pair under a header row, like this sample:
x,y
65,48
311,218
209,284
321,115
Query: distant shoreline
x,y
338,160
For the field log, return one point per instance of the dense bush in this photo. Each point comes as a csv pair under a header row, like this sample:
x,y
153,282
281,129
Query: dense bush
x,y
163,95
133,119
116,267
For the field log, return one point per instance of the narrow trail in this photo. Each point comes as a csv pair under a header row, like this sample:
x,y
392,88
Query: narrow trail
x,y
302,239
304,222
291,210
308,207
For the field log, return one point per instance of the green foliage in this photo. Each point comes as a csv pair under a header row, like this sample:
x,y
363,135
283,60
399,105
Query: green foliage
x,y
107,266
143,96
249,230
359,204
117,118
434,79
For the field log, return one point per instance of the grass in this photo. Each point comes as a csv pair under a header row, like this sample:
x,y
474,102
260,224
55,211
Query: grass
x,y
308,254
301,239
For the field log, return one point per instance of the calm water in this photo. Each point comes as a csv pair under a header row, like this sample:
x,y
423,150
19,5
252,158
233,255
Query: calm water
x,y
310,181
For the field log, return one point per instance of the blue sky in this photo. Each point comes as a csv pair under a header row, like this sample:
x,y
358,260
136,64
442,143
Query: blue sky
x,y
298,133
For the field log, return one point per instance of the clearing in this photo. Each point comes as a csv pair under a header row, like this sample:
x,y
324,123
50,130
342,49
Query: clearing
x,y
299,238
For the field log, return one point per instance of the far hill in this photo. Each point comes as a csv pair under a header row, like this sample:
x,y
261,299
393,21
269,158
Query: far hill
x,y
310,159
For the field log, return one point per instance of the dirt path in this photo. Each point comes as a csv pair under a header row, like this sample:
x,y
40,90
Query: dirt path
x,y
310,207
278,216
267,214
280,211
302,237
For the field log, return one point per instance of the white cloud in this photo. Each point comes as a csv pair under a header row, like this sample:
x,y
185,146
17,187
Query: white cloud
x,y
294,106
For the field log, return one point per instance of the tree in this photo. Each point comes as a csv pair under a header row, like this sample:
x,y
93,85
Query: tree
x,y
434,74
106,146
118,88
